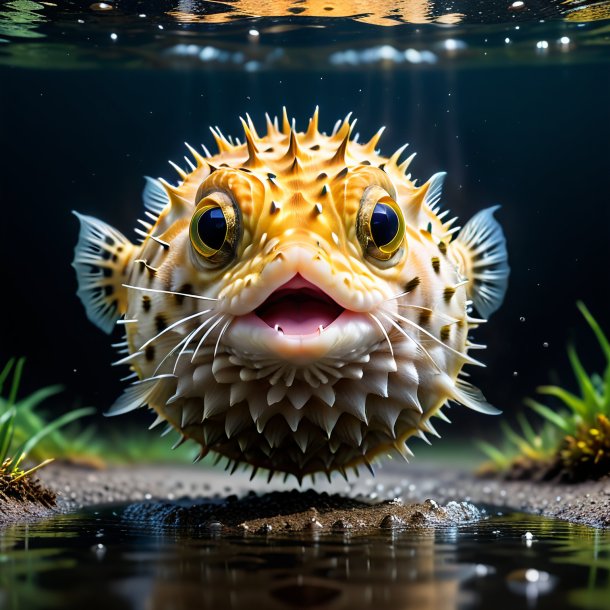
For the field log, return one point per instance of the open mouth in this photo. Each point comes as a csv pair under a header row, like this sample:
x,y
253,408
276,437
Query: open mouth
x,y
299,308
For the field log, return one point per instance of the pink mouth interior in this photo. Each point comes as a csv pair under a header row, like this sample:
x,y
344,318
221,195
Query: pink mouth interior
x,y
298,308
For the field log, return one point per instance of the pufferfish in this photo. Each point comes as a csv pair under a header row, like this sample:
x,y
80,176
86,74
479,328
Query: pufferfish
x,y
296,303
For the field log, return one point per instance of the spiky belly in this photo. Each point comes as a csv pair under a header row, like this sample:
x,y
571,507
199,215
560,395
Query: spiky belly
x,y
284,407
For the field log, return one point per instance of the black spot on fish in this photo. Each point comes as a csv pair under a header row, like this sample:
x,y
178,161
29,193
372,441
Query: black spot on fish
x,y
436,264
271,176
424,316
342,173
108,290
365,162
160,322
315,147
245,169
412,284
382,167
322,176
448,293
324,190
146,303
270,149
149,353
442,246
445,332
224,165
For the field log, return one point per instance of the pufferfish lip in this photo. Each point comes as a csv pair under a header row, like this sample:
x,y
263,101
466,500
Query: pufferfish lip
x,y
298,307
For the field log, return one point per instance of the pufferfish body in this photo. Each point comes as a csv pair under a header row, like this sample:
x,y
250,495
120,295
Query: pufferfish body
x,y
296,302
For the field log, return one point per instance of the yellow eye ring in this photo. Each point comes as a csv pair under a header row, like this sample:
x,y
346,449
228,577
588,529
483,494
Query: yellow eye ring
x,y
214,229
381,225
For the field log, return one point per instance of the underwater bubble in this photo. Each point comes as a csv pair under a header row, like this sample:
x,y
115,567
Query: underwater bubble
x,y
545,344
99,550
113,36
528,536
522,319
481,570
542,44
254,33
517,6
451,44
101,6
531,582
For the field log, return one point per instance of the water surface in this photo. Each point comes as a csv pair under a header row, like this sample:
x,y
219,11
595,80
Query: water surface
x,y
94,559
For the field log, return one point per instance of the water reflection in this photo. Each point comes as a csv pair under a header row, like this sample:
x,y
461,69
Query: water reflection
x,y
20,19
59,564
373,12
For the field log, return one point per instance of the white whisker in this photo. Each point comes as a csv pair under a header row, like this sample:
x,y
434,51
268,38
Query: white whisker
x,y
205,336
179,294
385,334
171,326
193,335
397,296
462,355
185,341
408,336
434,313
222,332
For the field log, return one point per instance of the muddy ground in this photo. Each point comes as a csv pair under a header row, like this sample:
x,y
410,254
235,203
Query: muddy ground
x,y
174,488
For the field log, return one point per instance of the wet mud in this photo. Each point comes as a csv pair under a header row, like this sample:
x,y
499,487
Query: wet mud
x,y
295,511
587,503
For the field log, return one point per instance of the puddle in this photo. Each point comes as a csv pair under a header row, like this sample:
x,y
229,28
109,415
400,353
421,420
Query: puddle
x,y
96,559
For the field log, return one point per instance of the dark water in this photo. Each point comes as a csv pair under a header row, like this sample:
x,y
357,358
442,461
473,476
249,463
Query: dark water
x,y
94,560
511,102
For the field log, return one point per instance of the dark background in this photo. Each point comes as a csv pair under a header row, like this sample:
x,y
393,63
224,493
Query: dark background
x,y
534,139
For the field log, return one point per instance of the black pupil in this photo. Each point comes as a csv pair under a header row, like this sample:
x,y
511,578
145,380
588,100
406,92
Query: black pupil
x,y
384,224
212,228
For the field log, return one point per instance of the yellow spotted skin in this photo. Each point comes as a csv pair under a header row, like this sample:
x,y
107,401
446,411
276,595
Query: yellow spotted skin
x,y
359,388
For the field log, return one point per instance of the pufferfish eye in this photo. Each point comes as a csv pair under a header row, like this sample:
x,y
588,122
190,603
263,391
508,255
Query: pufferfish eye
x,y
214,229
381,225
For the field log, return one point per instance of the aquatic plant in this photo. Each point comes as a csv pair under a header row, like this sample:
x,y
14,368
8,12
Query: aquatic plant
x,y
20,433
573,441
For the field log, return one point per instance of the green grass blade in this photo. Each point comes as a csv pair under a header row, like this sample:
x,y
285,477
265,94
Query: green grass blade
x,y
494,454
531,436
573,402
36,398
54,425
6,372
16,381
552,416
596,328
7,426
590,399
519,441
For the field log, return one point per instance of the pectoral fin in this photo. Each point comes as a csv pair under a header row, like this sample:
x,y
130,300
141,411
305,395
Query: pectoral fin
x,y
101,259
481,250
